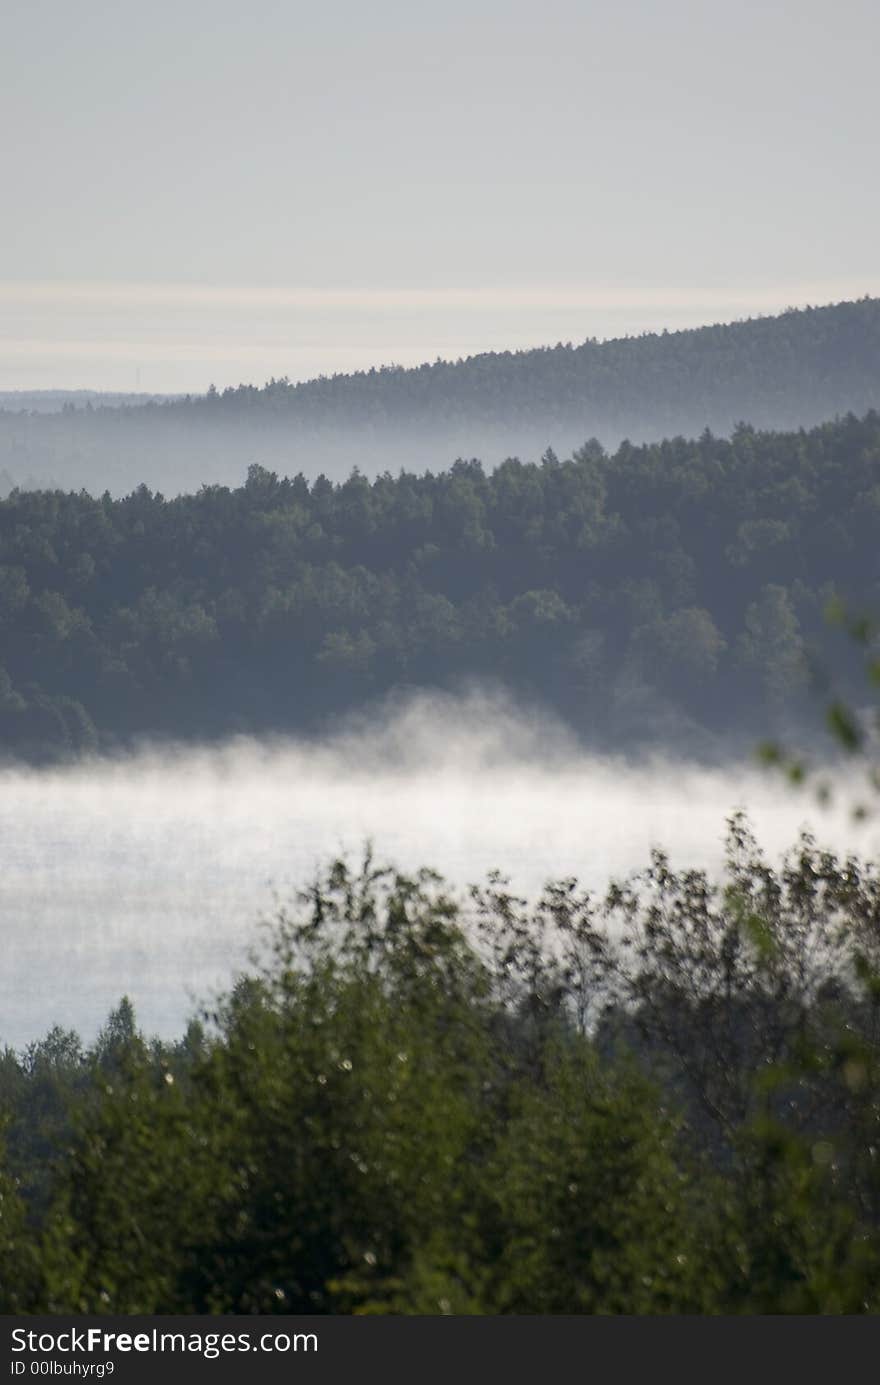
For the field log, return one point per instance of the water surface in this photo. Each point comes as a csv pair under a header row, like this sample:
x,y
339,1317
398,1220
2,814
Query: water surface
x,y
147,875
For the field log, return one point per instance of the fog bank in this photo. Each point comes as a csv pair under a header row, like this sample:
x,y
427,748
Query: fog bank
x,y
147,874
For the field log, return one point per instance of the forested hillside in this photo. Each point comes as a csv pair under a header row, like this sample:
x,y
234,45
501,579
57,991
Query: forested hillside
x,y
670,591
56,401
776,372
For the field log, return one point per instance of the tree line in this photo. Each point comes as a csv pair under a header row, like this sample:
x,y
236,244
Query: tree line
x,y
797,368
668,592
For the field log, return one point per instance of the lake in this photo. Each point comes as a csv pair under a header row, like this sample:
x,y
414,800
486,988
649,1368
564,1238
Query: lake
x,y
147,874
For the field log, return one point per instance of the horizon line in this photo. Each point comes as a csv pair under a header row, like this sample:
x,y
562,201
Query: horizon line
x,y
223,356
576,296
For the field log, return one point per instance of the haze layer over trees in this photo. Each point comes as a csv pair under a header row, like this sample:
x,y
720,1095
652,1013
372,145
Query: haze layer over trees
x,y
665,591
799,368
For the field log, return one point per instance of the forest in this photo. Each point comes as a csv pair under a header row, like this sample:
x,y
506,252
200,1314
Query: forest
x,y
663,1100
439,680
798,368
803,365
667,593
418,1099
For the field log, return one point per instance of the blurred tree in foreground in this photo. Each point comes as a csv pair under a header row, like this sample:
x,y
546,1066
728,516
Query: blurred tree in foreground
x,y
663,1100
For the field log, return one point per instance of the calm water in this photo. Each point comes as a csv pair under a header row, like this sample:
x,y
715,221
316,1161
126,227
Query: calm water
x,y
148,876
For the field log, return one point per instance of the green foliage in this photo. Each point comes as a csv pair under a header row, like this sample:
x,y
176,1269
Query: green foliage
x,y
853,728
788,371
634,594
590,1206
21,1288
663,1100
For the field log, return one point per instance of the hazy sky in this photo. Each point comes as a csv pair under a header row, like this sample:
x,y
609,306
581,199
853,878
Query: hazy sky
x,y
205,190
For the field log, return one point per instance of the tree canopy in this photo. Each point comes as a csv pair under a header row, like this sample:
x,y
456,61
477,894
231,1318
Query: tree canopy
x,y
663,1100
673,590
797,368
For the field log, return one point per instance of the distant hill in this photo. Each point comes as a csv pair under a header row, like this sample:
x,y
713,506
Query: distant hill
x,y
53,401
792,370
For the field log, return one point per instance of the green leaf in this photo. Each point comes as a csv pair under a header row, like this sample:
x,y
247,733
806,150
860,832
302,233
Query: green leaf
x,y
843,726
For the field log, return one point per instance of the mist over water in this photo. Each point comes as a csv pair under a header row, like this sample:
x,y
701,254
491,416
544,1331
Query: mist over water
x,y
148,874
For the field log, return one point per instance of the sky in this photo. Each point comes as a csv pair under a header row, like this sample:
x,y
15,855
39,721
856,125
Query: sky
x,y
208,191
